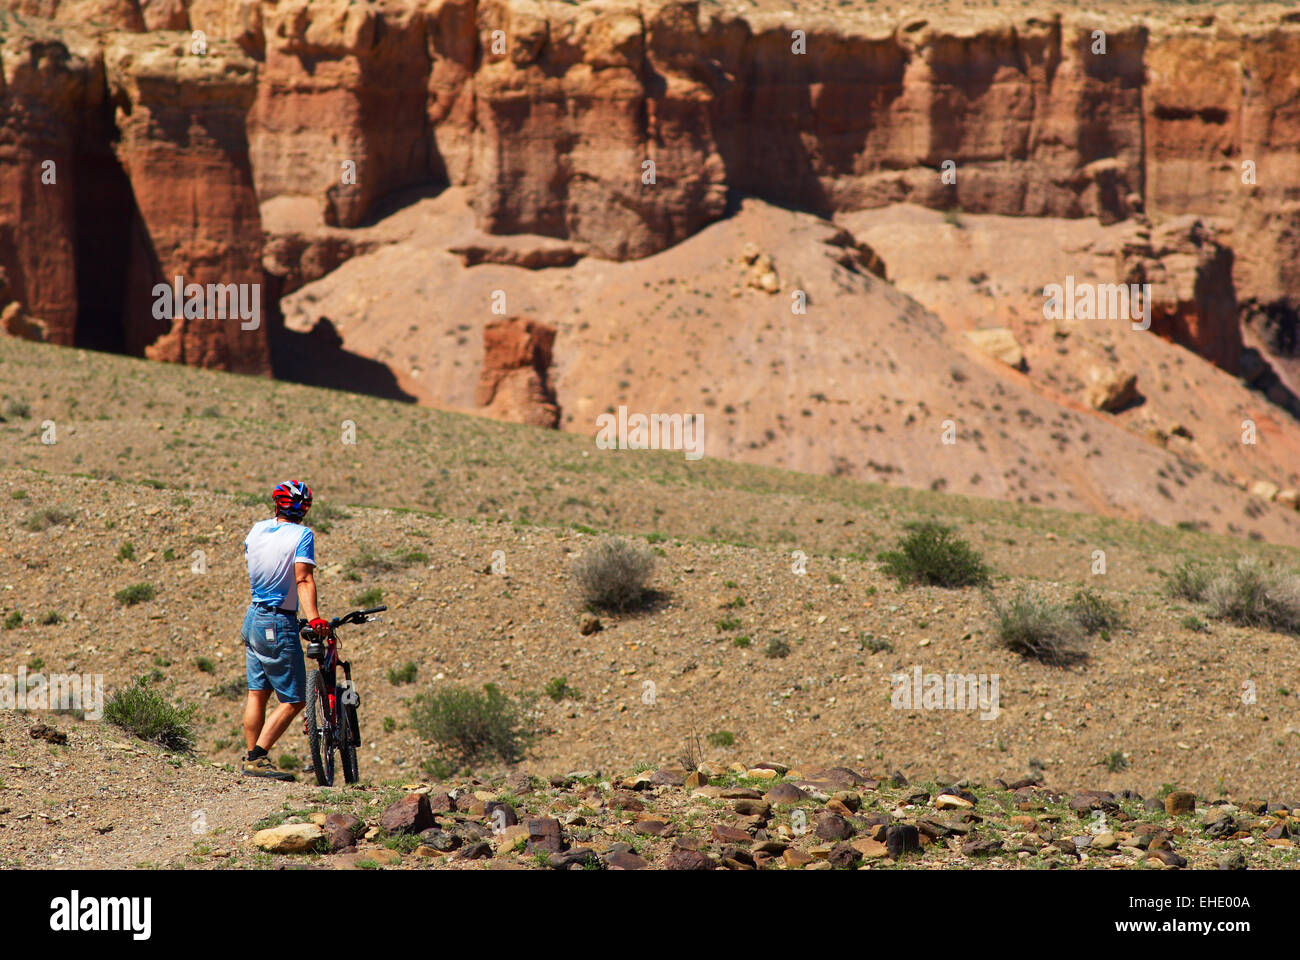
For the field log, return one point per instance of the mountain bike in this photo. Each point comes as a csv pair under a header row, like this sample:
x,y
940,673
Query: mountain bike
x,y
331,721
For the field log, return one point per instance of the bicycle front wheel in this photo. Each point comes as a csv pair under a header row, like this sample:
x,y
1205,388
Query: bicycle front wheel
x,y
347,748
318,730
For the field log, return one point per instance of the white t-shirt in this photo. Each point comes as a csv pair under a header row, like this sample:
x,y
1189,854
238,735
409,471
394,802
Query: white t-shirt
x,y
272,547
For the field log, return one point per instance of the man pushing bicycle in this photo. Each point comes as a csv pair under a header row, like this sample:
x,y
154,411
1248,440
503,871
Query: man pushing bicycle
x,y
281,554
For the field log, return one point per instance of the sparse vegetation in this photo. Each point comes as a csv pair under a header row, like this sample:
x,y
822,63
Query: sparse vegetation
x,y
1038,629
777,649
613,574
404,674
136,593
932,555
371,597
557,688
1246,592
141,710
372,563
1188,580
1094,613
1250,594
39,520
13,620
721,738
473,726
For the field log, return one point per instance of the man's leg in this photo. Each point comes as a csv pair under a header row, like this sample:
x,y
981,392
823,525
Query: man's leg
x,y
255,716
276,726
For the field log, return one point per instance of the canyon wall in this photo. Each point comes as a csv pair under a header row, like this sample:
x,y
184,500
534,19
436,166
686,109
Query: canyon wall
x,y
623,127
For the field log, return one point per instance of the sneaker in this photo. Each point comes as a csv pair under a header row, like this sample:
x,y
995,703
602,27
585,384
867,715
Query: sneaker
x,y
263,767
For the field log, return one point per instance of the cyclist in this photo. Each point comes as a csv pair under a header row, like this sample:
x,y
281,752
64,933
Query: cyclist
x,y
281,555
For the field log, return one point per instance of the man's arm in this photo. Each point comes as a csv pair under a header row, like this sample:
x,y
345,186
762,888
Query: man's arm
x,y
305,574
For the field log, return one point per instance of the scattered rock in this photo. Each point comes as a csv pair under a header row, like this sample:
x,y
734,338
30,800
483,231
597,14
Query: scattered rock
x,y
475,851
901,839
688,860
1112,389
544,834
1000,344
411,814
289,838
43,731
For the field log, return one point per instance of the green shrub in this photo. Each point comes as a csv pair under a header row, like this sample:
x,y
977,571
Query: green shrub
x,y
557,688
17,409
721,738
1251,594
39,520
1039,630
1188,580
51,617
1093,612
141,710
136,593
613,574
126,551
777,649
232,689
403,674
205,664
374,563
371,597
473,726
14,620
930,554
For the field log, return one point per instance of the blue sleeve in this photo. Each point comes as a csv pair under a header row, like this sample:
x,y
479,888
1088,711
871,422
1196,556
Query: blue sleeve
x,y
306,548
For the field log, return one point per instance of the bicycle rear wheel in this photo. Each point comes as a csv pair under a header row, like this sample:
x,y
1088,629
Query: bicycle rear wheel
x,y
318,730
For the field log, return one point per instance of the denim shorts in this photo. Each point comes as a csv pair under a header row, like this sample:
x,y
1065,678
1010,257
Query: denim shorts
x,y
273,654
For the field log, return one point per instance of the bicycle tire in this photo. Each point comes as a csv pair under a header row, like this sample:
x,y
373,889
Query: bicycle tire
x,y
322,753
347,750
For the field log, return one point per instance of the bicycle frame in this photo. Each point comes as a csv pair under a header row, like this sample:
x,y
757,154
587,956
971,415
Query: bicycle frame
x,y
338,725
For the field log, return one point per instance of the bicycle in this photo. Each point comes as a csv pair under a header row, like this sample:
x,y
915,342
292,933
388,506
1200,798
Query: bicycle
x,y
331,721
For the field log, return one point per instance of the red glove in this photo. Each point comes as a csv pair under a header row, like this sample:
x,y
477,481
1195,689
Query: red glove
x,y
319,627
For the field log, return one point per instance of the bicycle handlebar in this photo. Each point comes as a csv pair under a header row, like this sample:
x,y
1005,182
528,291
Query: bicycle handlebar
x,y
356,616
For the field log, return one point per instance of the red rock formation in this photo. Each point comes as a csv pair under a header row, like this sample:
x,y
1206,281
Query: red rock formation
x,y
514,382
180,118
340,110
1193,302
49,89
551,122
